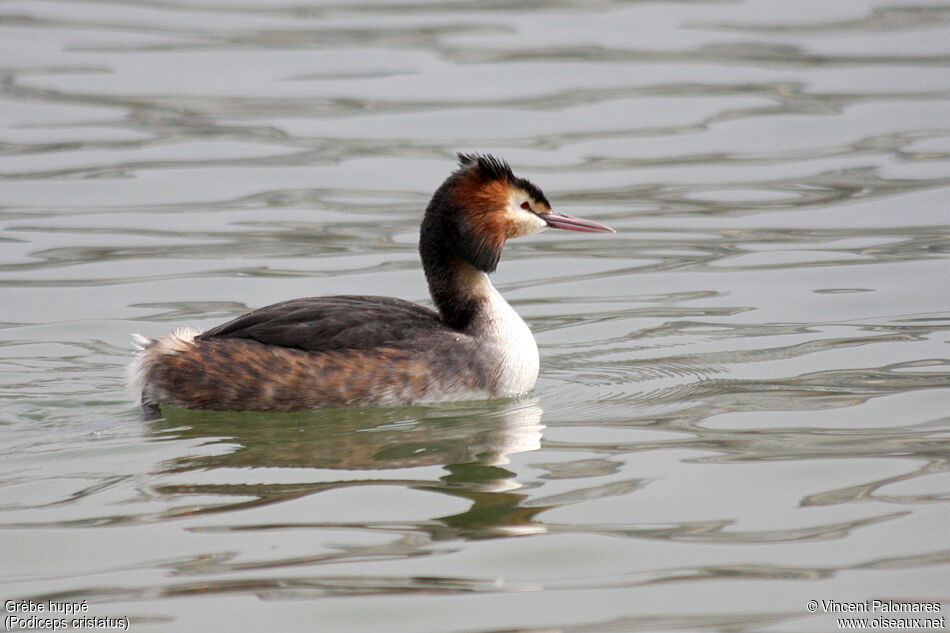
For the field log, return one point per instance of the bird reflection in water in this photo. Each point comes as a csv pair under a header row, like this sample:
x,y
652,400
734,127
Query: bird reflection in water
x,y
471,441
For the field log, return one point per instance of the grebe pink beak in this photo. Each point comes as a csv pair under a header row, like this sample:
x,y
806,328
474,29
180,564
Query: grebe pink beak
x,y
560,221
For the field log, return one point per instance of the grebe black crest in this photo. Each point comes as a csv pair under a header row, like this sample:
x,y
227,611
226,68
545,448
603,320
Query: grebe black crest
x,y
346,350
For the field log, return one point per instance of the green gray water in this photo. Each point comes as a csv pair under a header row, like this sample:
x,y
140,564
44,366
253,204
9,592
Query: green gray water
x,y
743,401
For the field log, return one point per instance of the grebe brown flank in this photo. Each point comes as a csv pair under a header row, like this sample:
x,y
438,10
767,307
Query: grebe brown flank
x,y
345,350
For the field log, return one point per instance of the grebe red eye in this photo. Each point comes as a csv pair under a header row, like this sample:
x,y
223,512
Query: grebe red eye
x,y
526,206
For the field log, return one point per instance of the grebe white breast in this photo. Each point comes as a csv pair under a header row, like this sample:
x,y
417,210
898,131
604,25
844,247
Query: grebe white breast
x,y
346,350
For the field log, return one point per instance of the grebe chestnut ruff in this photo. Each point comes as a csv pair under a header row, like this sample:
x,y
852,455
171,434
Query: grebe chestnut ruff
x,y
347,350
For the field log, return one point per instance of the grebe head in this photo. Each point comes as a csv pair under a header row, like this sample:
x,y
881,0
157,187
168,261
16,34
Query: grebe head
x,y
480,206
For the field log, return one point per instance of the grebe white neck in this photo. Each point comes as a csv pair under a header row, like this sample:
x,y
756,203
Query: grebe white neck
x,y
504,335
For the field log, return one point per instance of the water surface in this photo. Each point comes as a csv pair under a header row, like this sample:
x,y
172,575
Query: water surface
x,y
743,403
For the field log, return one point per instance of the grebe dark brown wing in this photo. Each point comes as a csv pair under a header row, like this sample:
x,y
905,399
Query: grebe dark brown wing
x,y
323,324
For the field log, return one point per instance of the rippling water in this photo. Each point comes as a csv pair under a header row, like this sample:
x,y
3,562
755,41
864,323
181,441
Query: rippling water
x,y
744,395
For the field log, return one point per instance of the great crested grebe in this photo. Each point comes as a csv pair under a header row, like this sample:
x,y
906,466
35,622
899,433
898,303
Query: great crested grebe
x,y
346,350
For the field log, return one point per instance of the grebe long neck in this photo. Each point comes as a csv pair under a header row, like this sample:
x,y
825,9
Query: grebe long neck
x,y
469,303
458,289
457,257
